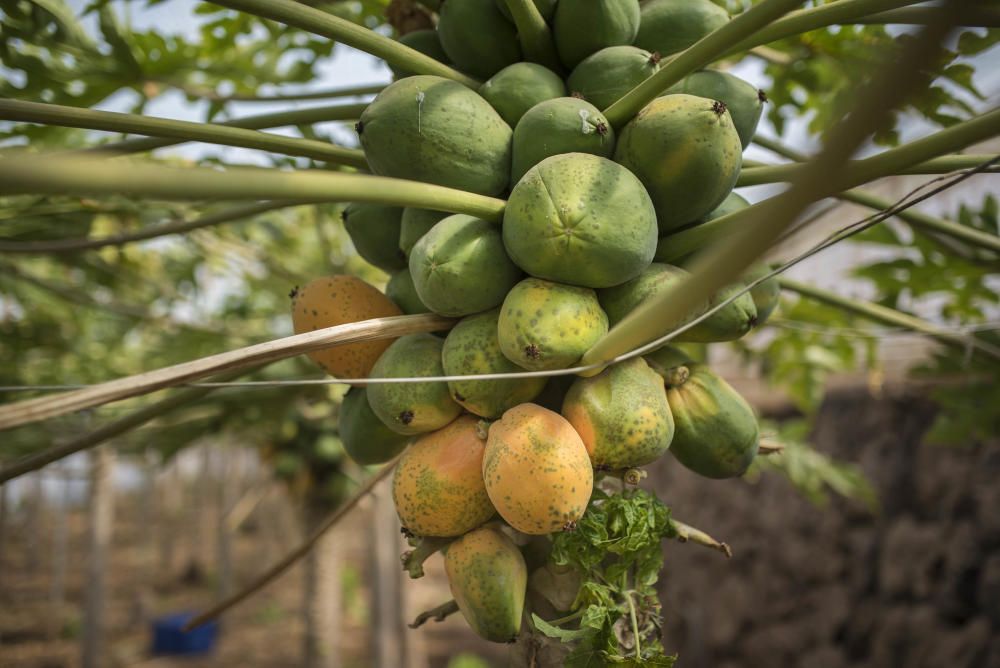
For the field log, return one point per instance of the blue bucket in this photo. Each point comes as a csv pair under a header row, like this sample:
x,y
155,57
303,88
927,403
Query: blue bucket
x,y
170,639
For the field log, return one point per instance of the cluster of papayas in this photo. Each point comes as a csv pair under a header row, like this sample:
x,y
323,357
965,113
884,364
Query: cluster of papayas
x,y
587,206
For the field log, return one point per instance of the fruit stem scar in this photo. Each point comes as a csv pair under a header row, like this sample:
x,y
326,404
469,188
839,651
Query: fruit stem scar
x,y
585,127
420,106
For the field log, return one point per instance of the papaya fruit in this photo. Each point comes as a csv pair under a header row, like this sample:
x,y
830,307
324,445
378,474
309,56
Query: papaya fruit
x,y
434,130
734,202
438,484
477,37
715,431
728,324
374,230
670,26
366,439
460,267
583,27
545,325
488,579
473,347
537,470
744,101
338,300
602,78
767,295
621,414
414,224
426,42
403,293
412,408
545,7
580,219
519,87
686,151
562,125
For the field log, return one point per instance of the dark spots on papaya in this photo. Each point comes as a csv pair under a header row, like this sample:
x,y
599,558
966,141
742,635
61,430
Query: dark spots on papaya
x,y
569,526
406,417
654,58
761,95
718,107
532,351
293,293
578,95
359,127
602,128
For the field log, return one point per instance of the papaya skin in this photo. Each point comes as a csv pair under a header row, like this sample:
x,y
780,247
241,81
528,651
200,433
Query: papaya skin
x,y
414,224
426,42
438,484
744,101
472,347
517,88
605,23
477,37
767,295
605,76
366,439
412,408
622,415
401,291
716,433
374,230
537,470
488,578
337,300
687,153
670,26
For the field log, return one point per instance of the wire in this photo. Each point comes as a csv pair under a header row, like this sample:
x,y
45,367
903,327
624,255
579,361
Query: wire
x,y
857,227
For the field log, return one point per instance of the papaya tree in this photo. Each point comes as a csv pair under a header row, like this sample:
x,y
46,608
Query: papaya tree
x,y
561,177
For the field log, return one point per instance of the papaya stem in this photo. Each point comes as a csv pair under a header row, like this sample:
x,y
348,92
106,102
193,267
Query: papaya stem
x,y
754,174
290,559
721,265
212,133
770,448
413,561
340,30
534,35
635,623
437,614
329,93
975,17
148,232
891,317
336,112
63,175
568,618
687,533
695,57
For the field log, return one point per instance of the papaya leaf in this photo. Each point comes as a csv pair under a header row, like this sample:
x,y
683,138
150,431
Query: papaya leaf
x,y
566,635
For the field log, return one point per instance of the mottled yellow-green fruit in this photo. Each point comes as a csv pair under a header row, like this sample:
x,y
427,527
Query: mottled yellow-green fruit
x,y
403,293
366,439
488,578
744,101
414,224
583,27
686,151
412,408
546,325
374,230
715,431
338,300
670,26
438,484
537,470
621,414
580,219
461,267
472,347
607,75
519,87
731,322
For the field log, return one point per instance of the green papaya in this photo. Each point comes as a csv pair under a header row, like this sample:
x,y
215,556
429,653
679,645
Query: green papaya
x,y
728,324
562,125
488,579
366,439
687,153
744,101
473,347
665,359
545,325
583,27
715,431
427,43
767,295
580,219
519,87
434,130
374,230
414,224
403,293
460,267
734,202
412,408
621,414
670,26
545,7
477,37
604,77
